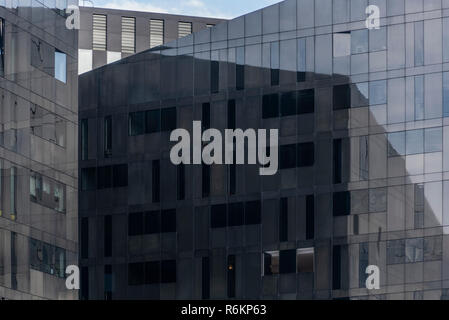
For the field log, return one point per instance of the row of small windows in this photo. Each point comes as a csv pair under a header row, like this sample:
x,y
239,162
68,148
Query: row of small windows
x,y
104,177
288,103
128,32
151,121
289,261
154,272
47,192
153,222
47,258
235,214
415,142
297,155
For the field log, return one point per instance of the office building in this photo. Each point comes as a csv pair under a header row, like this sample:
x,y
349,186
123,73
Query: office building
x,y
107,35
38,150
363,179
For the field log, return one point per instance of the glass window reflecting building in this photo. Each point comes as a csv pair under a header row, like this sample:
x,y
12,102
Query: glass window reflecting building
x,y
38,150
363,159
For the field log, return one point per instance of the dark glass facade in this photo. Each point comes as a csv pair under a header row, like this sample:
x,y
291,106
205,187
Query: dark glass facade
x,y
363,159
38,150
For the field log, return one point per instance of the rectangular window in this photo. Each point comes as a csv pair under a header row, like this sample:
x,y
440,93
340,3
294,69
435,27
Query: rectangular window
x,y
128,35
120,176
283,220
288,104
419,98
342,44
205,178
184,29
337,161
85,238
2,47
240,68
302,62
218,216
205,278
85,283
47,192
168,221
108,236
270,106
275,63
45,257
252,213
136,274
287,261
342,97
156,32
60,66
135,224
415,142
419,43
364,158
137,123
446,94
363,263
104,177
47,125
99,32
288,156
152,222
168,271
152,272
336,268
305,260
168,119
156,181
342,203
13,192
235,214
181,174
153,121
306,101
433,140
306,154
108,282
88,179
214,76
310,217
84,139
419,206
231,276
271,263
206,116
378,92
108,136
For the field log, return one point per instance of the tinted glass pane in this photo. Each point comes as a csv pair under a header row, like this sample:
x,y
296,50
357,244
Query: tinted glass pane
x,y
288,156
168,119
136,123
120,176
168,221
135,224
168,271
252,213
306,101
378,92
415,141
306,154
136,273
235,214
218,216
287,261
270,106
152,222
153,121
288,104
342,203
152,272
396,144
433,140
342,97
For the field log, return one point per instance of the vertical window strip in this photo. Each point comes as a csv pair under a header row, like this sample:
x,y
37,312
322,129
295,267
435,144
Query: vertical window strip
x,y
99,32
156,32
128,35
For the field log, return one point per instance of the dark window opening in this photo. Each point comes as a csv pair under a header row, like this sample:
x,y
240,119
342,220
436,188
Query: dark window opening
x,y
206,116
342,97
108,236
135,224
168,221
270,106
168,119
156,181
235,214
342,204
152,121
152,222
306,101
205,177
252,213
152,272
288,104
337,154
287,261
108,136
120,175
306,154
288,156
168,271
219,216
214,76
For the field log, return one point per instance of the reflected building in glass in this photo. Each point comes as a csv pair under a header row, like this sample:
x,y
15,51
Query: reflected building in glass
x,y
38,150
364,159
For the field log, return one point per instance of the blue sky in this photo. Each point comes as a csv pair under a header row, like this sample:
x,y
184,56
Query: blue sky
x,y
209,8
